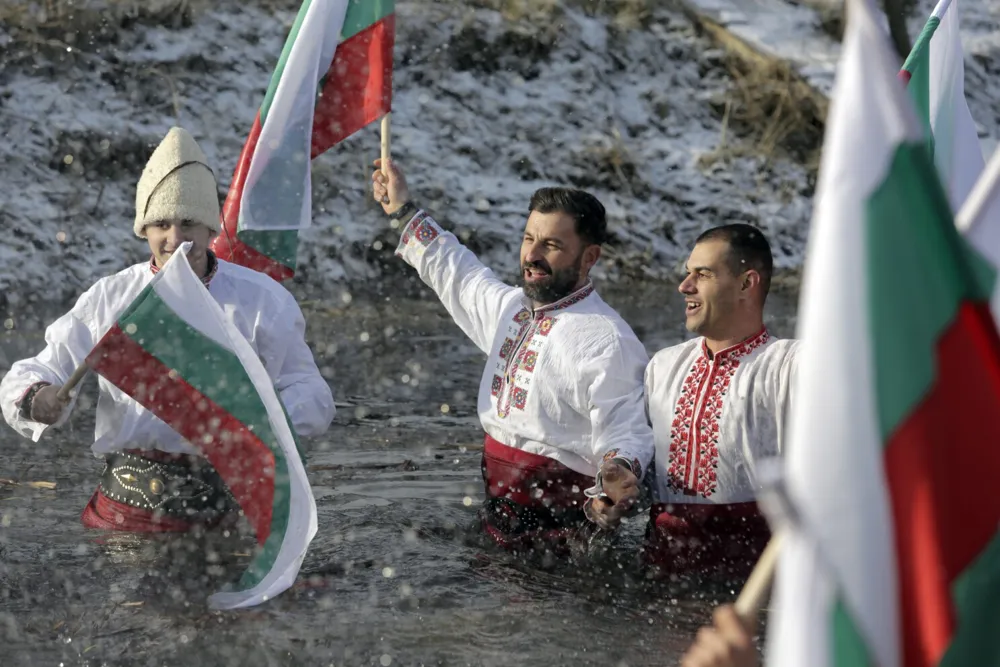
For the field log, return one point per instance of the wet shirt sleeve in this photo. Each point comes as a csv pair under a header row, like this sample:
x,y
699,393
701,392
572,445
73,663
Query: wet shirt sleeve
x,y
471,293
306,395
618,418
68,341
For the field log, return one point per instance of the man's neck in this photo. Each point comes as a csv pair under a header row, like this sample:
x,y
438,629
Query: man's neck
x,y
200,266
716,345
535,305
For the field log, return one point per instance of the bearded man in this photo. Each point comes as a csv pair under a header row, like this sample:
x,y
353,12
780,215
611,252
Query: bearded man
x,y
154,480
561,397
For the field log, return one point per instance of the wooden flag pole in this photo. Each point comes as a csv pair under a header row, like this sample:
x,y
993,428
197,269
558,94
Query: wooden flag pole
x,y
755,591
74,379
385,140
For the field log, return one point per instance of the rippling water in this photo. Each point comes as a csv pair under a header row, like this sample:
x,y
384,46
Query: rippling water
x,y
397,574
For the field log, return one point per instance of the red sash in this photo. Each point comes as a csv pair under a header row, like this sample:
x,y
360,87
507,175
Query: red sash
x,y
687,538
531,480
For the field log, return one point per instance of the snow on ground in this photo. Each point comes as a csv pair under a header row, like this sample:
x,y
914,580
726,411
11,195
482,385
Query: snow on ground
x,y
488,106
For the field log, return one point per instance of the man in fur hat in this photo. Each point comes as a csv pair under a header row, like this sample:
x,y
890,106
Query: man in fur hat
x,y
154,480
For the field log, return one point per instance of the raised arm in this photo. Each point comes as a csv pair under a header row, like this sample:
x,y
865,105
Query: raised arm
x,y
470,291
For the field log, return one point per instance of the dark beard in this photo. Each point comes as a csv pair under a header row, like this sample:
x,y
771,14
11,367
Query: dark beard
x,y
557,285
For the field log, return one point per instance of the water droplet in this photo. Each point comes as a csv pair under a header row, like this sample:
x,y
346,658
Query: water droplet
x,y
377,245
467,501
68,160
130,328
364,336
61,237
8,324
346,297
387,572
385,660
445,408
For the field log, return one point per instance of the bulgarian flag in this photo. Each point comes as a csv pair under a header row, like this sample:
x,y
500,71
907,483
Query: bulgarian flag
x,y
979,222
176,354
935,76
891,556
333,78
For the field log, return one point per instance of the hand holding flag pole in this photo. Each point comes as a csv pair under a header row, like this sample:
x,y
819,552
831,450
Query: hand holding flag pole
x,y
385,142
758,584
73,380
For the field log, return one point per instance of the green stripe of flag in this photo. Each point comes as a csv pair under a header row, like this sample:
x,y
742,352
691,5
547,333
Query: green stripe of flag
x,y
904,216
281,245
362,14
279,69
848,647
974,592
918,64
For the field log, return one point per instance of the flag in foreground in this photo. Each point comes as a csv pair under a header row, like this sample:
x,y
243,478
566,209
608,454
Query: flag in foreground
x,y
176,354
979,223
893,557
935,76
333,78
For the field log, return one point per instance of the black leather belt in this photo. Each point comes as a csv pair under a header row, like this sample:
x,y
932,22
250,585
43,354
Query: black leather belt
x,y
188,488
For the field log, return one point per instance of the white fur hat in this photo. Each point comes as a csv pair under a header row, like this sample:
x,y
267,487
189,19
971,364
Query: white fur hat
x,y
177,184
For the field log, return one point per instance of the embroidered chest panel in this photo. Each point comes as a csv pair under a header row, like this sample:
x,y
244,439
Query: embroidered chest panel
x,y
695,429
524,342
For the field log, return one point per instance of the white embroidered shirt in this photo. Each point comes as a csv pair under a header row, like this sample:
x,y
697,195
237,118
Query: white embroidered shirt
x,y
563,381
263,310
715,417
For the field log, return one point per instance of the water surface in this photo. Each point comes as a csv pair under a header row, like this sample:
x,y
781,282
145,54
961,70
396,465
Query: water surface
x,y
397,574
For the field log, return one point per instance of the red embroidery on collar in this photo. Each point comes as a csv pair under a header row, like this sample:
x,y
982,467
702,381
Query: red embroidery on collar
x,y
567,301
694,433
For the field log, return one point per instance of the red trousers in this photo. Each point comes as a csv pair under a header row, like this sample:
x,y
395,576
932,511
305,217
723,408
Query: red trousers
x,y
532,501
699,539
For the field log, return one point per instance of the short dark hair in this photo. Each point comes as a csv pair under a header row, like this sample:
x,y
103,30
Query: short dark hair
x,y
748,249
583,207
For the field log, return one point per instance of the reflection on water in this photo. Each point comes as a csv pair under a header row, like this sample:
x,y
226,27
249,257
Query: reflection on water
x,y
397,574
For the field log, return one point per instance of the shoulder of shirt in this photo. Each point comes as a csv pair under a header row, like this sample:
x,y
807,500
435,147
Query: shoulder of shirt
x,y
115,281
781,347
673,353
595,317
255,280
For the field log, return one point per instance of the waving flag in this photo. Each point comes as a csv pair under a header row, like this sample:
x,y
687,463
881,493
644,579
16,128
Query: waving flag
x,y
333,78
176,354
935,76
979,222
892,556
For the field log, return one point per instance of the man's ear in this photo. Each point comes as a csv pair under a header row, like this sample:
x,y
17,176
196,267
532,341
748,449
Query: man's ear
x,y
750,280
590,256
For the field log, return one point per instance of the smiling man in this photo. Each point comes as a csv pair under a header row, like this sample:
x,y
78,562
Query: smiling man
x,y
718,404
154,480
560,398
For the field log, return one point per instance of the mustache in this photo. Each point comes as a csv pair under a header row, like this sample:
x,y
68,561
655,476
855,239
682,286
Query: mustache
x,y
540,266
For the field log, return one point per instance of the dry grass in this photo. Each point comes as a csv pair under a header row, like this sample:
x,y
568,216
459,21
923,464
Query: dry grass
x,y
768,111
626,14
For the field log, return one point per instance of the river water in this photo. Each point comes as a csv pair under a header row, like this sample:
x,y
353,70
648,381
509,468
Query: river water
x,y
397,574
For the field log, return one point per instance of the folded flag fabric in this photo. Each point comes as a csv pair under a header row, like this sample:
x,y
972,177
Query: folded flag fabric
x,y
176,354
334,77
935,76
